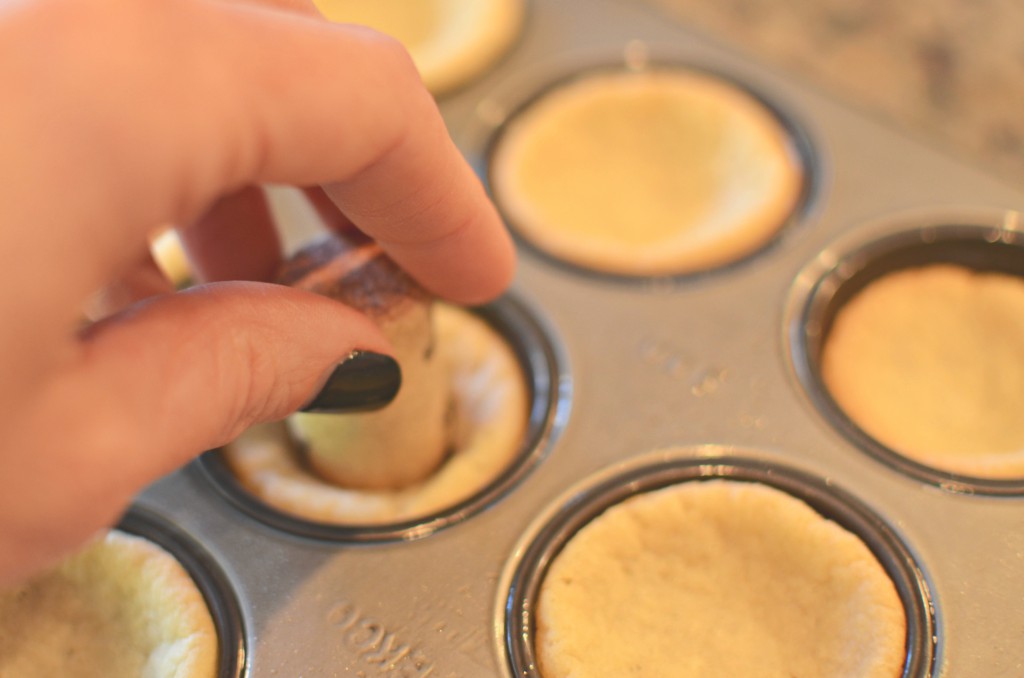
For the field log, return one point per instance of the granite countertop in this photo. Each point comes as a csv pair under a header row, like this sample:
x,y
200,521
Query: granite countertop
x,y
948,71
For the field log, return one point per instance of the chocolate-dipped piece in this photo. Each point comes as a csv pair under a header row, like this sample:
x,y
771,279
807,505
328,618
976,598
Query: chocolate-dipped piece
x,y
407,440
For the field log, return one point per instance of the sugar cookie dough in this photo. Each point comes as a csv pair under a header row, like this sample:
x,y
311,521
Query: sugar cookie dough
x,y
646,173
491,412
717,578
451,41
121,608
930,362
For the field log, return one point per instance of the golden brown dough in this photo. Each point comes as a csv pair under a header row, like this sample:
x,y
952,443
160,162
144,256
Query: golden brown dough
x,y
451,41
647,173
930,362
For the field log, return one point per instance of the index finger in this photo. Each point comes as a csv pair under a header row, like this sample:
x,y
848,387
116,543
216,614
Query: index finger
x,y
346,108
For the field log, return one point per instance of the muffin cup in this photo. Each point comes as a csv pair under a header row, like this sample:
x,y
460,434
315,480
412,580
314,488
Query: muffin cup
x,y
983,240
450,59
549,388
522,580
209,579
507,105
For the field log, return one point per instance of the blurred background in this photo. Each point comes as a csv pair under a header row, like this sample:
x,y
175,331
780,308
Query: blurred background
x,y
949,72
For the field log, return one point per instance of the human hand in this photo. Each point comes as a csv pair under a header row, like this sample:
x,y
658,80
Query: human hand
x,y
123,115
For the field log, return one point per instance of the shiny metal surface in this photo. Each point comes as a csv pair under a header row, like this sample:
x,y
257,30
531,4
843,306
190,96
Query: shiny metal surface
x,y
703,360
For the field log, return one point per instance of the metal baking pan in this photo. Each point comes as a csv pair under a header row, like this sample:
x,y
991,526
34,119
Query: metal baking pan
x,y
703,362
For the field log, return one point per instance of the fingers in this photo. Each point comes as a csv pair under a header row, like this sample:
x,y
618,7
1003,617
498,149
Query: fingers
x,y
372,132
149,390
224,356
440,229
142,281
332,217
305,7
210,97
235,239
260,95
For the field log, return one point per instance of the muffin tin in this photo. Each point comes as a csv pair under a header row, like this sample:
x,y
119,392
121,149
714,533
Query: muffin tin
x,y
209,579
719,366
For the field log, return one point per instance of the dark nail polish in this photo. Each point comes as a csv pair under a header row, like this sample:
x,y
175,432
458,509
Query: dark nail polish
x,y
364,381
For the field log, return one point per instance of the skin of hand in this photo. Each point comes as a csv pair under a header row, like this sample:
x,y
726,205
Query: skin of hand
x,y
120,116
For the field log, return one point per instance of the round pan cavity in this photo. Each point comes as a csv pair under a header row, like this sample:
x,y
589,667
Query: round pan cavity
x,y
209,579
452,43
977,239
549,389
793,137
553,530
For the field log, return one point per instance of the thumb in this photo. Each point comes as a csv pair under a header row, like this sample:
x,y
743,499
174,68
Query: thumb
x,y
149,389
190,371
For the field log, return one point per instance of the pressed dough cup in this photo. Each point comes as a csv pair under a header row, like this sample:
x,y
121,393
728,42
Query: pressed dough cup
x,y
492,411
717,578
908,335
451,41
706,562
120,608
930,362
501,384
646,173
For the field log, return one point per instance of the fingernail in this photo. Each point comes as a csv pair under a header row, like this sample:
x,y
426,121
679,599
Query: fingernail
x,y
363,381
